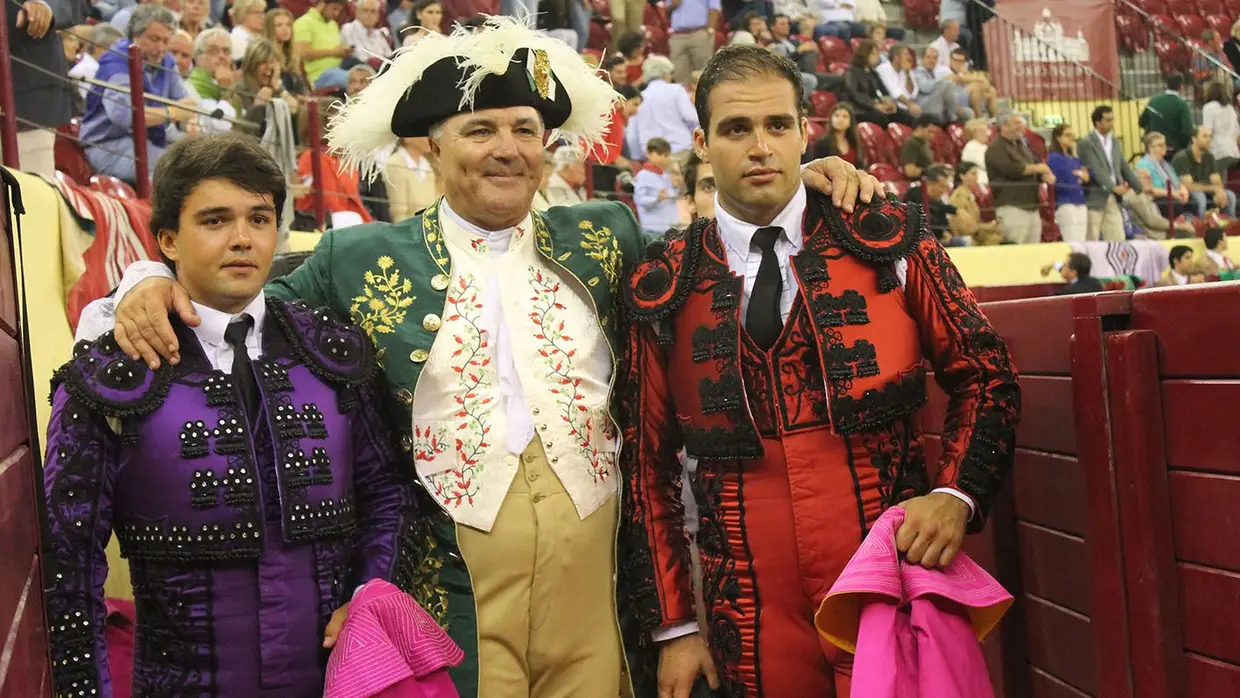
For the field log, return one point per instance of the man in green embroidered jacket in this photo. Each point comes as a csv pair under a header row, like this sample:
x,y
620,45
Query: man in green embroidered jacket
x,y
507,416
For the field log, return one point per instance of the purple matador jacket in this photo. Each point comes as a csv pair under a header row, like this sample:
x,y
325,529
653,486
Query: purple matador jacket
x,y
241,541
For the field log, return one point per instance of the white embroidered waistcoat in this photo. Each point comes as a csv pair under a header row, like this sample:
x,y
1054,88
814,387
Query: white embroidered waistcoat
x,y
462,449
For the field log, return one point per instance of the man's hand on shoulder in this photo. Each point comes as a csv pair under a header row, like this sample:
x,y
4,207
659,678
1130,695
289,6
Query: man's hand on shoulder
x,y
143,330
837,178
681,661
933,529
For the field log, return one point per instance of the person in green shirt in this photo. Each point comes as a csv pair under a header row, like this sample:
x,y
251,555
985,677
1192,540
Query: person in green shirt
x,y
1170,115
317,37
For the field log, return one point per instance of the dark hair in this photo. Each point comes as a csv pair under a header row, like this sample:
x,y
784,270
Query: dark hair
x,y
923,120
1079,263
960,52
1174,81
1214,93
628,91
628,43
1100,113
690,172
1178,252
934,173
1055,134
826,146
1213,236
413,22
776,16
613,61
861,57
475,22
738,62
233,157
963,168
658,146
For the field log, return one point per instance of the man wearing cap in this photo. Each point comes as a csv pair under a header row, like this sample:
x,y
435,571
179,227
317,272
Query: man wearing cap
x,y
507,416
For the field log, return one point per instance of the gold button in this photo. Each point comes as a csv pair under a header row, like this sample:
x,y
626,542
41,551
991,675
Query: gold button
x,y
418,356
539,497
533,476
431,322
405,397
542,427
406,442
555,459
548,445
534,410
439,282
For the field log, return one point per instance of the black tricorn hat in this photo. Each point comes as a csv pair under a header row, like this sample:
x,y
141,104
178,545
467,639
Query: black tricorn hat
x,y
440,94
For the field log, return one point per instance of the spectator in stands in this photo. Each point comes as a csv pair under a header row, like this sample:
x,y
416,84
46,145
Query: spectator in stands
x,y
874,17
1015,175
1170,115
1071,215
107,127
213,78
915,154
897,77
612,151
426,17
1219,115
692,41
632,47
359,76
878,34
974,151
699,180
371,43
655,191
43,98
754,27
181,48
617,70
278,29
261,87
1200,173
194,18
841,138
411,181
121,19
1216,259
320,45
937,95
1076,271
1165,185
1181,260
247,25
72,41
665,110
803,53
930,193
567,184
341,192
838,18
102,36
865,89
973,89
1231,47
948,41
1209,63
1110,177
968,220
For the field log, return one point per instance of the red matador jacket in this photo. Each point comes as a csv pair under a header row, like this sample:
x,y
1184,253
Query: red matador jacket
x,y
878,299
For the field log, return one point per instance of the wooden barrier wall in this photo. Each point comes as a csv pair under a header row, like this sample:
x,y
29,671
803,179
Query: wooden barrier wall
x,y
23,652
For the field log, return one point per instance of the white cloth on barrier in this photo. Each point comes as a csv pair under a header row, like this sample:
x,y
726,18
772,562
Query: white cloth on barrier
x,y
1146,259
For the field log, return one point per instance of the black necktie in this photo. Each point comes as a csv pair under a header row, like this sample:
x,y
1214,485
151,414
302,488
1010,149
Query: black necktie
x,y
242,374
763,320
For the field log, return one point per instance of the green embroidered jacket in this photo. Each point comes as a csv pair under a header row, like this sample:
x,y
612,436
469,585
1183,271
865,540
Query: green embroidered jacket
x,y
392,280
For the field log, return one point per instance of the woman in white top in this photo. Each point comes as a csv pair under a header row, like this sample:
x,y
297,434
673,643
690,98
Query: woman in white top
x,y
897,77
1219,115
426,17
975,150
247,18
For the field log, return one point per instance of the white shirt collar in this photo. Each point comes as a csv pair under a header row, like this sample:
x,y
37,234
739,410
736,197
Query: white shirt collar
x,y
738,235
497,240
214,322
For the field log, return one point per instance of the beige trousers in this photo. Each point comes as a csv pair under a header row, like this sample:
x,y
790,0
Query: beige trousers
x,y
37,151
544,586
626,16
690,51
1019,226
1107,224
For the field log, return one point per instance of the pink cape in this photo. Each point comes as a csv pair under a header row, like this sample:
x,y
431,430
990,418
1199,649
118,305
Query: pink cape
x,y
390,648
915,633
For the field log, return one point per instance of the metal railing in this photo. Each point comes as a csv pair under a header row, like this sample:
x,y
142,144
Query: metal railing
x,y
1154,45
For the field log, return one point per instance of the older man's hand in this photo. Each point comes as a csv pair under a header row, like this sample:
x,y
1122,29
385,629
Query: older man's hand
x,y
837,178
35,17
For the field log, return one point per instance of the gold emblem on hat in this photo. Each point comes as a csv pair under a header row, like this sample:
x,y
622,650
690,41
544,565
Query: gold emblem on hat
x,y
542,74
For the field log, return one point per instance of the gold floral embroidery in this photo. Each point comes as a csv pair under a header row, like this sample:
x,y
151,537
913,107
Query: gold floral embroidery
x,y
603,247
423,580
384,301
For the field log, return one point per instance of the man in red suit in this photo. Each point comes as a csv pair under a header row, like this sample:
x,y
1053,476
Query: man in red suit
x,y
782,344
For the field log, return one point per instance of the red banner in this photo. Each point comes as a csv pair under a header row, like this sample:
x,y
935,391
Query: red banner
x,y
1053,49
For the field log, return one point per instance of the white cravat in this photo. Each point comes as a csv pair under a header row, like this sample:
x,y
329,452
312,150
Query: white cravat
x,y
520,422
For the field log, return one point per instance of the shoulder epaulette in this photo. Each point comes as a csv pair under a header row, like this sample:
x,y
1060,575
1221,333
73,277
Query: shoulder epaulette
x,y
110,383
336,352
661,281
879,233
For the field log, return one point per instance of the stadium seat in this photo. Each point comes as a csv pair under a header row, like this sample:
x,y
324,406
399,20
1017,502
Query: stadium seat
x,y
1036,143
837,68
921,14
69,155
817,129
985,203
1133,36
834,50
107,184
823,102
656,16
1164,26
877,144
1153,7
601,8
1220,23
656,40
600,35
957,135
898,133
891,177
1211,7
943,148
1191,26
1233,7
1173,56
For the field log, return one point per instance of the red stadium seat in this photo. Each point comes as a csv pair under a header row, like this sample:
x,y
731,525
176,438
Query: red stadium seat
x,y
1191,26
656,16
817,129
823,102
1212,7
855,42
957,135
985,203
943,148
69,155
837,68
1173,56
1233,7
656,40
891,177
1133,36
834,50
107,184
921,14
1164,26
600,36
1046,207
1153,7
1220,23
1175,8
899,133
601,8
877,144
1037,144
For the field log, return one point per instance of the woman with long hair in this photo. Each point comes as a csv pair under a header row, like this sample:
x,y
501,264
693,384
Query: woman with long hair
x,y
1070,178
1219,115
426,17
261,84
841,138
278,29
864,89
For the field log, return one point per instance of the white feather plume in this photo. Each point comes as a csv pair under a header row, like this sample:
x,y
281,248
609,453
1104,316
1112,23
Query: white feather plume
x,y
362,129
